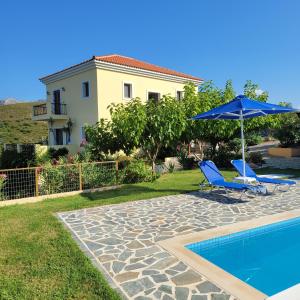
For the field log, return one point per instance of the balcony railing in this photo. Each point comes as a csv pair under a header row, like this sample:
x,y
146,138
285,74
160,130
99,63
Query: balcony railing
x,y
56,109
39,110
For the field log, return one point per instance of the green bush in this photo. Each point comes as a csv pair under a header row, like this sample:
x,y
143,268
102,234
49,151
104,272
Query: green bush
x,y
11,159
58,179
288,135
234,145
3,178
255,158
57,153
253,139
95,175
136,171
124,161
221,157
186,162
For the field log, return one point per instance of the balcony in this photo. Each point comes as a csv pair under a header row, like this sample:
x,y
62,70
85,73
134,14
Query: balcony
x,y
45,111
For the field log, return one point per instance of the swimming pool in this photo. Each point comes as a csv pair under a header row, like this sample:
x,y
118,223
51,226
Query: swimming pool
x,y
266,257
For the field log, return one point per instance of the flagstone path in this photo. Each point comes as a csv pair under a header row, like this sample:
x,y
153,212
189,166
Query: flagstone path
x,y
121,240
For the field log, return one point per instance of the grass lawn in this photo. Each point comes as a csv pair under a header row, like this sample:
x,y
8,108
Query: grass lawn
x,y
39,259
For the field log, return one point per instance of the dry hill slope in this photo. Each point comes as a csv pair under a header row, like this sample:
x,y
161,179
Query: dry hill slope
x,y
16,125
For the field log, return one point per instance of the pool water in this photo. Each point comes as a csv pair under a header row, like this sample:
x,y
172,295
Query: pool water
x,y
267,257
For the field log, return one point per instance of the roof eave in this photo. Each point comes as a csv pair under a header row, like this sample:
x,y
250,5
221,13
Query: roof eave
x,y
94,63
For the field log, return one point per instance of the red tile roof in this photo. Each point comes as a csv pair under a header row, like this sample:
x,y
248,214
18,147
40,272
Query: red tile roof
x,y
134,63
130,62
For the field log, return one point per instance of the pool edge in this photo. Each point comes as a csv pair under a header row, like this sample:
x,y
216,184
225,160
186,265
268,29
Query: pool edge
x,y
215,274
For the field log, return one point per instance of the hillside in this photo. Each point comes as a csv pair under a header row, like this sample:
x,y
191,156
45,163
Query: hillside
x,y
16,125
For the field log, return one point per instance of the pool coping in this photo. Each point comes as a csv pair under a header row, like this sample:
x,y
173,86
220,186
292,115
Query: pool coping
x,y
215,274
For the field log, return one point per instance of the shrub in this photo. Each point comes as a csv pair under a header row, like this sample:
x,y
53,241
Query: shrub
x,y
288,130
2,184
95,175
255,158
124,161
11,159
253,139
234,145
136,171
288,135
166,152
57,153
171,167
58,179
221,157
186,162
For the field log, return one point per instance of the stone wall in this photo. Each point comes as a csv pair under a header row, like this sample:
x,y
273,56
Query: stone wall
x,y
283,162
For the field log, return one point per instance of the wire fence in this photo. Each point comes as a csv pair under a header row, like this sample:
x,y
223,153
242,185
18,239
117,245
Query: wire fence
x,y
47,180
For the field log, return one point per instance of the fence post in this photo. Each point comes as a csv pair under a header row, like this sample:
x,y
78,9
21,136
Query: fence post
x,y
36,181
80,176
117,171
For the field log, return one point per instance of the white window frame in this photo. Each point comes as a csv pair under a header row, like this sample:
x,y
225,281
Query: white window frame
x,y
180,92
152,91
82,89
123,90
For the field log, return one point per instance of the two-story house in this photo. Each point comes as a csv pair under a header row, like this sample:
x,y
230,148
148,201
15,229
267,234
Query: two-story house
x,y
80,94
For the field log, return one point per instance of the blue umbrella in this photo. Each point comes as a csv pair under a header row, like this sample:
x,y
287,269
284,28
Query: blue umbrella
x,y
241,108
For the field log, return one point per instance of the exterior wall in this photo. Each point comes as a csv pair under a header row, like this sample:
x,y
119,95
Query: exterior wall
x,y
80,110
106,87
110,88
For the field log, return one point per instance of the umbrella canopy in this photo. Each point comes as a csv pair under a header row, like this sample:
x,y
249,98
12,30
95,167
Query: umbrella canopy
x,y
241,108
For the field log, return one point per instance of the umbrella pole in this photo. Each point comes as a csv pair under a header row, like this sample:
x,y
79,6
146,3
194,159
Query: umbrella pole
x,y
243,144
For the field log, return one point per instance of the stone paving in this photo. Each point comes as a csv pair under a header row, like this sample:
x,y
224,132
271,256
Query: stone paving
x,y
121,240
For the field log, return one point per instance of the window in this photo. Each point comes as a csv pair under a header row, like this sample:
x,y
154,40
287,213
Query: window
x,y
56,106
58,136
153,96
86,89
179,95
127,92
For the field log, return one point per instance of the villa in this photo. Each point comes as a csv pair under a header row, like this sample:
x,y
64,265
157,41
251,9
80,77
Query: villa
x,y
80,94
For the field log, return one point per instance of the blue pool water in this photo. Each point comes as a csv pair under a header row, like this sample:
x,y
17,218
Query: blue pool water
x,y
267,257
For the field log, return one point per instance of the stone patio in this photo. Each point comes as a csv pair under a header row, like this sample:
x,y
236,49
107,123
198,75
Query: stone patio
x,y
121,240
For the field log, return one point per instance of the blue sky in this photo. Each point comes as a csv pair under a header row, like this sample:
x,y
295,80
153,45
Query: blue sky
x,y
216,39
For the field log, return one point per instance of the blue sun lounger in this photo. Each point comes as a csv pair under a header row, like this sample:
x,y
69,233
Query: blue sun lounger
x,y
238,164
216,179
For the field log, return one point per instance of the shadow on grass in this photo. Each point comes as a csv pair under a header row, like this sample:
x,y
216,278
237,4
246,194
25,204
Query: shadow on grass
x,y
134,192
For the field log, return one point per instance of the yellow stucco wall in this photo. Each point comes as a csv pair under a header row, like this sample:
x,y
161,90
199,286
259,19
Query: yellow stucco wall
x,y
80,110
106,87
110,88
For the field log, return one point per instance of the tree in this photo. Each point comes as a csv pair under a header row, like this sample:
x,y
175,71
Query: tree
x,y
101,140
228,94
210,131
251,90
287,128
128,123
165,123
191,105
